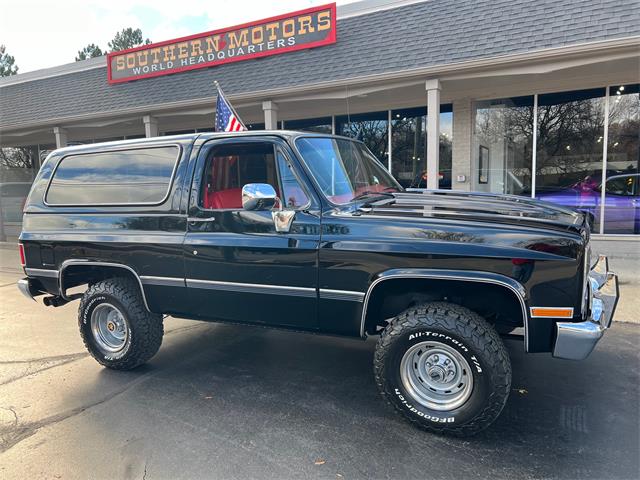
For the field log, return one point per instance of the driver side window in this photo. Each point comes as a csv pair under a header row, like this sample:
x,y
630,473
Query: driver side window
x,y
231,166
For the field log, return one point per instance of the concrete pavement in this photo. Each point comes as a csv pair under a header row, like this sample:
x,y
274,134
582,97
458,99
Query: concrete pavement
x,y
223,401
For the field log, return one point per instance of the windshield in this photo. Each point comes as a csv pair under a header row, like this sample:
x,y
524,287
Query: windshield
x,y
345,170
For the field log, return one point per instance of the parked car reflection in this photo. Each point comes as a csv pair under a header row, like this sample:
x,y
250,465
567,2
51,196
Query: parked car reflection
x,y
622,202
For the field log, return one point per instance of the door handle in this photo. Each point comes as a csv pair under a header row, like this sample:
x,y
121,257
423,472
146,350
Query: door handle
x,y
200,220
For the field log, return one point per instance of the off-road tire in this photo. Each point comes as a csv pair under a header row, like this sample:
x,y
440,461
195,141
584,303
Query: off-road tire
x,y
472,337
145,328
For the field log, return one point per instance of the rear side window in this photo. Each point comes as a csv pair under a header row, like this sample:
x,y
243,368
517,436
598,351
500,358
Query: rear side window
x,y
137,176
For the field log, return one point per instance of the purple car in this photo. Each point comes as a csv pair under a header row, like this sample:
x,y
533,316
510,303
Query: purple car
x,y
622,201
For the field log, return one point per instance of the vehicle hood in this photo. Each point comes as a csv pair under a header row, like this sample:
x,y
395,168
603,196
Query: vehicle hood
x,y
477,207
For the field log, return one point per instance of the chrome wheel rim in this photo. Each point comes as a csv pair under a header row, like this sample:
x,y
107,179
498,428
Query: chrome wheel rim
x,y
436,376
109,328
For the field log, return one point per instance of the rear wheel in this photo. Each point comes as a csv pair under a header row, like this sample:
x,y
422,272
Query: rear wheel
x,y
117,329
444,368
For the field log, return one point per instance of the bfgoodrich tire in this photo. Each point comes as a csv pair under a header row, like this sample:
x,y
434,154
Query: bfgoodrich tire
x,y
117,329
444,368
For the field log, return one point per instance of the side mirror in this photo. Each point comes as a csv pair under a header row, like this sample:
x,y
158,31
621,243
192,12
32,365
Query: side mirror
x,y
258,196
262,196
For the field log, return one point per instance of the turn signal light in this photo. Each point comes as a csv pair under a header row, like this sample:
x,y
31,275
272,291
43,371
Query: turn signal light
x,y
22,260
552,312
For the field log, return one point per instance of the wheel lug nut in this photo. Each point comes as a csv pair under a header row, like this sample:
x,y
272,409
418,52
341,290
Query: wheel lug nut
x,y
436,358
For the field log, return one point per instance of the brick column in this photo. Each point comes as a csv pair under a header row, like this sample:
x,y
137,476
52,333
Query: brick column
x,y
462,149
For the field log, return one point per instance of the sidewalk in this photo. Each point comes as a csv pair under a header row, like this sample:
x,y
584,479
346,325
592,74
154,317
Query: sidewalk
x,y
623,254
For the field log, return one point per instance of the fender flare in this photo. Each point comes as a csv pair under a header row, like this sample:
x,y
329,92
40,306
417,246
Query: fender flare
x,y
75,262
458,275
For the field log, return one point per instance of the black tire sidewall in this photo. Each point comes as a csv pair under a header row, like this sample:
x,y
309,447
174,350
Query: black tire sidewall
x,y
89,305
482,384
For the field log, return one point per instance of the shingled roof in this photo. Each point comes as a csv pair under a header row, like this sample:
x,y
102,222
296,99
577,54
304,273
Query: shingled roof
x,y
430,33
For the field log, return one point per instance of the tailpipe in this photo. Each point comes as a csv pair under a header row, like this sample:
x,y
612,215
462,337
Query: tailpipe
x,y
54,301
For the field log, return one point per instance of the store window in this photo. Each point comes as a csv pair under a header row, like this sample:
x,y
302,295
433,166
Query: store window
x,y
409,146
316,125
570,148
446,146
622,187
371,128
18,167
502,147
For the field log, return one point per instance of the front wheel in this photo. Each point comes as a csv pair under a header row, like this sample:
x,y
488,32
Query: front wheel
x,y
444,368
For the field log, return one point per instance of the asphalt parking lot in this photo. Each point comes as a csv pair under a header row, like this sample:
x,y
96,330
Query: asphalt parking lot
x,y
224,401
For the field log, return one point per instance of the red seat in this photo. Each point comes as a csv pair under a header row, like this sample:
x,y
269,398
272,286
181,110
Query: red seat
x,y
230,198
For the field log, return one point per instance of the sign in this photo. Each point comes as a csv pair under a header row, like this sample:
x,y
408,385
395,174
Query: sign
x,y
308,28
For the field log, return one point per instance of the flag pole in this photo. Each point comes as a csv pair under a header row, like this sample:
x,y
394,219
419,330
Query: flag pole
x,y
215,82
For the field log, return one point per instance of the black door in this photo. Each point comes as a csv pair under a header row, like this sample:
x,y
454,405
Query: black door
x,y
238,268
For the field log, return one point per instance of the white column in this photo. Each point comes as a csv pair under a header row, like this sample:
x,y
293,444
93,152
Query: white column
x,y
270,115
61,136
150,126
433,132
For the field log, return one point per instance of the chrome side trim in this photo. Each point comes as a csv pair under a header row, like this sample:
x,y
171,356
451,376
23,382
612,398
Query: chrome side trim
x,y
470,276
41,272
252,288
163,281
346,295
68,263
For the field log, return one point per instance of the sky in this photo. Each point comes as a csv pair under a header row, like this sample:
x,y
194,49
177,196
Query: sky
x,y
46,33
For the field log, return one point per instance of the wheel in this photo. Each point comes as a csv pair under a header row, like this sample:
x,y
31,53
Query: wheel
x,y
444,368
117,329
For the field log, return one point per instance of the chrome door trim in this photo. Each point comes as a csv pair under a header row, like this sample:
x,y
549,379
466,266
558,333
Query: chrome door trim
x,y
68,263
346,295
163,281
252,288
41,272
459,275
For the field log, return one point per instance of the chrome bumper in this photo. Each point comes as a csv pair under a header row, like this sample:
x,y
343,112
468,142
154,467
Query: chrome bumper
x,y
575,341
25,288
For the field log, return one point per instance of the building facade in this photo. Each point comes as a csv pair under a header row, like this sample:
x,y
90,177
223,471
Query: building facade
x,y
539,99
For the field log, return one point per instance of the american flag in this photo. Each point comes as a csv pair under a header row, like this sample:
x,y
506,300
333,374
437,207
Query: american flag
x,y
227,119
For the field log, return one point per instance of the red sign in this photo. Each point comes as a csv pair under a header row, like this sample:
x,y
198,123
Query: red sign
x,y
308,28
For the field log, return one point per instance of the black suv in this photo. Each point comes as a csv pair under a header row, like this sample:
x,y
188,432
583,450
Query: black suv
x,y
310,232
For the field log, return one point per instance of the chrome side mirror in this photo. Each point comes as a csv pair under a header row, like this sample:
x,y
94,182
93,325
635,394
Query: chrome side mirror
x,y
258,196
262,196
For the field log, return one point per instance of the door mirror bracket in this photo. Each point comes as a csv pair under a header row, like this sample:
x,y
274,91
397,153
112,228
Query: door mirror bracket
x,y
262,196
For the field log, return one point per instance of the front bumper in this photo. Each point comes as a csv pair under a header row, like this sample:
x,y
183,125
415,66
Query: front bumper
x,y
575,341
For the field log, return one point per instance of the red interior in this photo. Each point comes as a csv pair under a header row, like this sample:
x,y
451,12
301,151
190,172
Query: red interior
x,y
230,198
223,188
